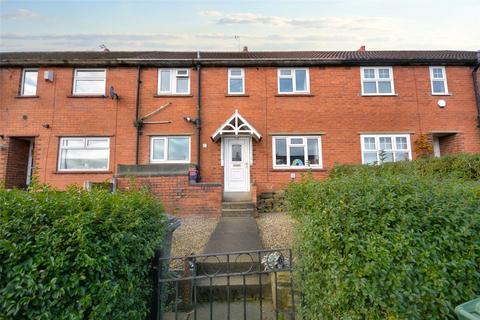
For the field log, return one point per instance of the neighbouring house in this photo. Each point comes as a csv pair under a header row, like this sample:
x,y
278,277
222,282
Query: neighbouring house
x,y
250,122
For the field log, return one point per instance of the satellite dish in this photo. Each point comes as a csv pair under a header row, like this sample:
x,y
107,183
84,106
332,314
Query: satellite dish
x,y
442,103
113,94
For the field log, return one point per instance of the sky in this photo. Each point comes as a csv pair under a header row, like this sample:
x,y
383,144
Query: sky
x,y
55,25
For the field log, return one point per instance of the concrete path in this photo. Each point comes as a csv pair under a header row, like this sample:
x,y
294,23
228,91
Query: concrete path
x,y
234,234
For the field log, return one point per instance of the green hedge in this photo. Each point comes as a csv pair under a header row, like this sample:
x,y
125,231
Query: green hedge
x,y
387,246
77,254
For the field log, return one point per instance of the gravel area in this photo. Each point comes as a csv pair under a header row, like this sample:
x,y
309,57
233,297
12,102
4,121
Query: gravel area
x,y
192,235
276,230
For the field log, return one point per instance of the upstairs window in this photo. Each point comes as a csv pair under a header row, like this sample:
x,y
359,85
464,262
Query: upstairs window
x,y
173,81
297,152
29,82
377,149
236,81
377,81
170,149
438,79
89,82
293,81
84,154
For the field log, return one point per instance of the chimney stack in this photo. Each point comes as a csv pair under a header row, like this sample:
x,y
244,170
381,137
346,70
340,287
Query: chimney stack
x,y
245,49
361,49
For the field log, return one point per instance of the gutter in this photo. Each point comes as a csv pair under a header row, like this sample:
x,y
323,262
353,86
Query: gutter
x,y
137,122
197,120
475,87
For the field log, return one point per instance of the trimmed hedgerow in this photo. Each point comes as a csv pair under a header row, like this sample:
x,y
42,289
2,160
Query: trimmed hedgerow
x,y
77,254
386,245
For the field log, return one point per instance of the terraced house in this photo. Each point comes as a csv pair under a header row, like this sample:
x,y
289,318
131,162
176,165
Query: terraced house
x,y
250,122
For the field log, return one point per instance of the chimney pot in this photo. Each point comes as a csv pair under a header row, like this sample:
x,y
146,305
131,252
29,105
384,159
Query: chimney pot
x,y
361,49
245,49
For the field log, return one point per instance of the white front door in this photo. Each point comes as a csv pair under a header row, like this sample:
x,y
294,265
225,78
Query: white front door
x,y
237,163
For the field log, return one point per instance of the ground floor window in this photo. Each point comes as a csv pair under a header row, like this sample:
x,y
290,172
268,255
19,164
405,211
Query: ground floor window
x,y
297,152
170,149
385,148
84,154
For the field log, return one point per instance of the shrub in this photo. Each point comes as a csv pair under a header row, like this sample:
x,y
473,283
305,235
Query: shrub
x,y
387,246
77,254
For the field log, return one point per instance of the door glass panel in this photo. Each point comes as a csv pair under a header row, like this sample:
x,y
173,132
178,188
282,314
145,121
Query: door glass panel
x,y
236,152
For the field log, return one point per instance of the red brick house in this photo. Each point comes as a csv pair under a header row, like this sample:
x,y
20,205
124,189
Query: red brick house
x,y
251,121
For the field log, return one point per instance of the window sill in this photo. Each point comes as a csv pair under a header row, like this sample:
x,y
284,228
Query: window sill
x,y
294,95
298,169
76,96
82,172
237,95
173,96
26,97
380,95
441,94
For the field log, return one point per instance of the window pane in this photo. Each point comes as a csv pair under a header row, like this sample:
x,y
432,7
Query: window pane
x,y
400,156
369,143
236,72
438,73
158,149
178,149
297,156
280,151
286,85
84,159
91,74
30,83
97,143
386,156
370,157
313,152
438,86
301,80
90,86
368,73
384,73
369,87
286,72
384,87
182,85
165,80
182,72
73,143
401,143
385,143
236,85
236,152
296,141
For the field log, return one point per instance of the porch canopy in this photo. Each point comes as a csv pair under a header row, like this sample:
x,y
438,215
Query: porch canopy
x,y
236,125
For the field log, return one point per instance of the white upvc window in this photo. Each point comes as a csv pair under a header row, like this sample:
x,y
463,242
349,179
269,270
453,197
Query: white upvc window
x,y
173,81
29,82
377,81
84,154
89,81
297,152
236,81
377,149
291,81
173,149
438,80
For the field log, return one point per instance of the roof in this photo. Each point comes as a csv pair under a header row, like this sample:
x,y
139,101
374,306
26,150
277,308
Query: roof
x,y
407,57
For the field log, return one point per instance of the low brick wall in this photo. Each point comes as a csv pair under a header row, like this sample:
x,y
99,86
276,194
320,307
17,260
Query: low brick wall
x,y
271,202
178,195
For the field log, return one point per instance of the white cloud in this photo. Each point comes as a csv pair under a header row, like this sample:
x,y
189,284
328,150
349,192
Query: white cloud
x,y
21,14
210,13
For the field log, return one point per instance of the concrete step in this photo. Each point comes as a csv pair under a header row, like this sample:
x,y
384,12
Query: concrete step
x,y
237,196
234,287
238,205
238,212
236,263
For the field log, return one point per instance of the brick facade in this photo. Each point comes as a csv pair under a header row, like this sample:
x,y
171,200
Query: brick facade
x,y
334,107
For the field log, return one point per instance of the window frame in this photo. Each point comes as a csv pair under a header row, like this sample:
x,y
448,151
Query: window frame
x,y
304,144
22,83
75,79
294,80
377,79
173,81
165,151
444,79
85,139
242,77
377,137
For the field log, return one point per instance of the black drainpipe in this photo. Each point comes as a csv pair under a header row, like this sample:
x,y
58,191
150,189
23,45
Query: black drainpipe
x,y
197,121
475,87
137,120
